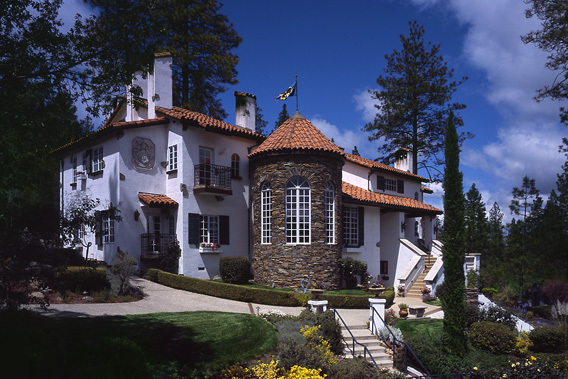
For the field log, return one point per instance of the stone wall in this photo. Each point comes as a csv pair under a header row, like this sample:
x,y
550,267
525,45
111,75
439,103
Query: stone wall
x,y
284,265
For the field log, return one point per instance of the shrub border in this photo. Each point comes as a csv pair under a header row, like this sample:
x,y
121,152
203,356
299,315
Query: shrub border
x,y
257,295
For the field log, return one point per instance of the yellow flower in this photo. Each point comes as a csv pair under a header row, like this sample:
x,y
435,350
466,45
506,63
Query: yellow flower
x,y
475,368
533,358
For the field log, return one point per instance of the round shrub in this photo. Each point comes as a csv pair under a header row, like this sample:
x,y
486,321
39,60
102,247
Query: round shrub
x,y
234,269
79,279
492,336
547,339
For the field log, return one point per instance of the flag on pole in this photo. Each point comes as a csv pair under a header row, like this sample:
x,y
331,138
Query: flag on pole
x,y
291,91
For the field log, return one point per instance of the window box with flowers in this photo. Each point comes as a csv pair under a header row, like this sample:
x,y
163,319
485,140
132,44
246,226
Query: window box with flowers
x,y
205,247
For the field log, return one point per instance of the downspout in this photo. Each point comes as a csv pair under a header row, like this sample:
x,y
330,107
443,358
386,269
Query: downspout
x,y
62,199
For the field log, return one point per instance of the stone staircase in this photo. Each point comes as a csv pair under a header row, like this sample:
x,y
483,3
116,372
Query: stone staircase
x,y
415,289
363,335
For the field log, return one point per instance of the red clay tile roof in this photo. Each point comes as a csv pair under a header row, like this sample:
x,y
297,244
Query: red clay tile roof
x,y
426,190
109,127
155,200
163,54
382,167
296,134
244,94
208,123
358,194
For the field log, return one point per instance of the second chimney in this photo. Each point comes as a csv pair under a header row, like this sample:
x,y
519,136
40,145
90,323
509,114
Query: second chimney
x,y
245,110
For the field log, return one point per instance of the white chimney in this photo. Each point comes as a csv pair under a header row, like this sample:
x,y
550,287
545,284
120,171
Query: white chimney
x,y
245,110
163,83
405,160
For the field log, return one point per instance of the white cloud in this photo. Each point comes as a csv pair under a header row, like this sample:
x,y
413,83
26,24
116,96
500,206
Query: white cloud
x,y
347,138
366,105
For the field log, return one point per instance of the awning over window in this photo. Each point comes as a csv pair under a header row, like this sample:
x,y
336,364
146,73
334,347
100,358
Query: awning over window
x,y
156,200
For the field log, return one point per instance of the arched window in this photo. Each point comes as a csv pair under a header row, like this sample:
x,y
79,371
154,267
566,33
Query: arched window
x,y
298,207
266,213
329,213
235,166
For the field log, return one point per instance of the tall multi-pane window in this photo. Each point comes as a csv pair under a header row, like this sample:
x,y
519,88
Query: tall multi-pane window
x,y
209,229
108,228
351,226
172,158
75,173
172,225
298,200
329,213
235,166
98,163
266,217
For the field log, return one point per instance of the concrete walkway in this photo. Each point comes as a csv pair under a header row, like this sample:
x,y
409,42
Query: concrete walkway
x,y
159,298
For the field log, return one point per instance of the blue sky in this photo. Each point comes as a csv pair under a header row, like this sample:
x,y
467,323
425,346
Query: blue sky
x,y
337,48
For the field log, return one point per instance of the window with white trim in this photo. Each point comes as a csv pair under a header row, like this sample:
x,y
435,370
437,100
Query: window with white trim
x,y
390,184
266,213
209,229
298,207
329,213
108,228
351,227
172,158
97,160
75,172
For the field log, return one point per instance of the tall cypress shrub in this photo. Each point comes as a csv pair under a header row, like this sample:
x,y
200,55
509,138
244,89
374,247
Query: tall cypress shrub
x,y
453,300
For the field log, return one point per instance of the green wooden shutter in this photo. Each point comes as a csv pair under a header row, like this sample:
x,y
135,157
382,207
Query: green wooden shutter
x,y
224,230
99,228
361,225
400,186
381,183
193,229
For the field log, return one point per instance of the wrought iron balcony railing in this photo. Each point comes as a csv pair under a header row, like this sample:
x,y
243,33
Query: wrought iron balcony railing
x,y
155,243
211,178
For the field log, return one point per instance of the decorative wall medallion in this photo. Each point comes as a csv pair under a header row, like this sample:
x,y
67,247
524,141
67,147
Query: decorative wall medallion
x,y
143,153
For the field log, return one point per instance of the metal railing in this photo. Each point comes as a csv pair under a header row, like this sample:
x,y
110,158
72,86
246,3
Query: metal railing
x,y
405,347
155,243
355,342
207,174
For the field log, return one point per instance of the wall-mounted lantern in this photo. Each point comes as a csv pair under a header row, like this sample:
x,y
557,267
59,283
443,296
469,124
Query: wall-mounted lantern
x,y
136,215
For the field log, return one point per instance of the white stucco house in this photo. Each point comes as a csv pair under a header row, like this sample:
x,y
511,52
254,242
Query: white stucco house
x,y
179,174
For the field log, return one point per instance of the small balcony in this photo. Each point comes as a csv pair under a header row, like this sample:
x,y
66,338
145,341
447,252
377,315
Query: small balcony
x,y
155,245
211,179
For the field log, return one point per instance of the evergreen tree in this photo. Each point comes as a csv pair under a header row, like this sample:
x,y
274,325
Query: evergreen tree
x,y
260,124
198,36
552,39
414,102
491,271
453,300
282,117
475,222
355,151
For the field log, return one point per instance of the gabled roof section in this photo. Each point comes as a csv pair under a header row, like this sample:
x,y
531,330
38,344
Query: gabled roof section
x,y
156,200
296,134
382,167
185,116
360,195
210,124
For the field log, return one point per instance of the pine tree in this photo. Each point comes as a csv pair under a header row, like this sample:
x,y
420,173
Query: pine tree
x,y
260,124
475,222
200,39
355,151
414,102
453,300
282,117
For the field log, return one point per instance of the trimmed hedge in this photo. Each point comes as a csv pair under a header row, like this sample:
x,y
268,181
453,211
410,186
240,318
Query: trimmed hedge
x,y
493,337
548,339
257,295
79,279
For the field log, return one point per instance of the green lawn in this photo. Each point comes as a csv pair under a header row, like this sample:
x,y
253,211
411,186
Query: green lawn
x,y
192,344
411,327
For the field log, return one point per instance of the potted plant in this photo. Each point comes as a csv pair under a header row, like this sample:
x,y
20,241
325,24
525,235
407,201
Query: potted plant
x,y
376,288
425,290
401,289
403,312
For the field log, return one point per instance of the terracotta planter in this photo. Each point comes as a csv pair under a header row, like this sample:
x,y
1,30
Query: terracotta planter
x,y
403,313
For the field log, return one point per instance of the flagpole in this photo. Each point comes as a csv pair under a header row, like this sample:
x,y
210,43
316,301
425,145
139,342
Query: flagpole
x,y
296,92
